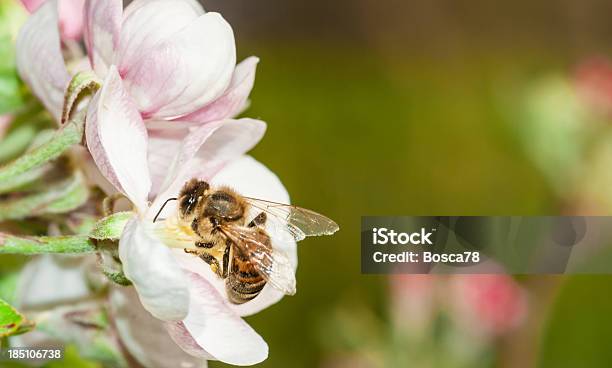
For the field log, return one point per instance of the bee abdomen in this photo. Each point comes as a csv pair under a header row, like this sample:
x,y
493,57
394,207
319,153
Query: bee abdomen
x,y
244,283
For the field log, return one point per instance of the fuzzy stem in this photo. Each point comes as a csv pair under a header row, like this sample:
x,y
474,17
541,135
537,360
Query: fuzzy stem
x,y
10,244
69,135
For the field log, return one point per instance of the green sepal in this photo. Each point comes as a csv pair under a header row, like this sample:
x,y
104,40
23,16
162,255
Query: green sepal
x,y
81,85
111,227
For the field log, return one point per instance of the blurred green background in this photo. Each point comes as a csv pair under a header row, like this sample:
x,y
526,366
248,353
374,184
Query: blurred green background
x,y
418,108
405,108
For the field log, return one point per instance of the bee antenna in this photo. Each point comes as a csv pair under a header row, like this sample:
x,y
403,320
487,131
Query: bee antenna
x,y
162,207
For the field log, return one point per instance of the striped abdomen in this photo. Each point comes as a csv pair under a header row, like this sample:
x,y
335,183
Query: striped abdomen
x,y
244,282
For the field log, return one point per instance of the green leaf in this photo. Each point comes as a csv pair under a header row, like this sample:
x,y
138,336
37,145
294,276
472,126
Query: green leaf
x,y
11,321
63,197
69,135
11,91
78,244
111,227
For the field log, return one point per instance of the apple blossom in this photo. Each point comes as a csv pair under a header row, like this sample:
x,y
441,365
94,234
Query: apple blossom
x,y
173,286
495,304
177,62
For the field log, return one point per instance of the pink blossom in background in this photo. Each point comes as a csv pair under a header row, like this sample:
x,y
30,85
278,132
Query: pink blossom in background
x,y
487,305
413,300
593,80
70,16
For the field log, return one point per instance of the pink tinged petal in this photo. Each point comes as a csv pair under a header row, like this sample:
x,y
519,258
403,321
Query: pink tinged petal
x,y
145,337
233,100
102,26
71,18
163,147
32,5
117,140
219,331
205,149
39,58
252,179
166,72
156,275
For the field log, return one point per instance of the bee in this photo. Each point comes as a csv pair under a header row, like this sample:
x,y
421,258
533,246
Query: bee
x,y
215,224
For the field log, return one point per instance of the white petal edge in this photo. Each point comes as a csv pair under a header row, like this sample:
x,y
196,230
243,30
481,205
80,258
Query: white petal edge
x,y
101,32
145,337
39,57
156,275
117,140
219,330
250,178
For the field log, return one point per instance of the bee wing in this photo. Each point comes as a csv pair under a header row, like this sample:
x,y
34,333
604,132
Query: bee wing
x,y
273,264
296,221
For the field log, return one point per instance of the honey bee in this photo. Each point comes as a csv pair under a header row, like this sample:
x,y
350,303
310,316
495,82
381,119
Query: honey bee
x,y
212,224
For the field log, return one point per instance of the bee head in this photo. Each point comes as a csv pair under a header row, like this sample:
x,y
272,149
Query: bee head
x,y
191,196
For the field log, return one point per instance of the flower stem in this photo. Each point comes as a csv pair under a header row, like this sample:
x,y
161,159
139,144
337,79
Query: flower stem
x,y
10,244
66,137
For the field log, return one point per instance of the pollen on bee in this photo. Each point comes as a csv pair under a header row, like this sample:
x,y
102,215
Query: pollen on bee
x,y
175,234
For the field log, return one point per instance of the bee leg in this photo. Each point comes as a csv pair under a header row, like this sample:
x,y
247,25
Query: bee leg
x,y
258,220
206,245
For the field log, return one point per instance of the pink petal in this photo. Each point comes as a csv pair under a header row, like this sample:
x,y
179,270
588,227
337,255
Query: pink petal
x,y
32,5
156,275
70,16
252,179
217,329
102,27
117,140
168,73
205,149
233,101
39,58
145,337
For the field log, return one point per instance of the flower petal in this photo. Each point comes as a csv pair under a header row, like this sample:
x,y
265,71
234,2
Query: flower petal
x,y
163,147
205,148
145,337
233,100
117,140
217,329
252,179
40,280
102,27
39,58
165,71
156,275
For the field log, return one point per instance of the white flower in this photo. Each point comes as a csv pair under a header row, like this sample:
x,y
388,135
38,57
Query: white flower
x,y
175,287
